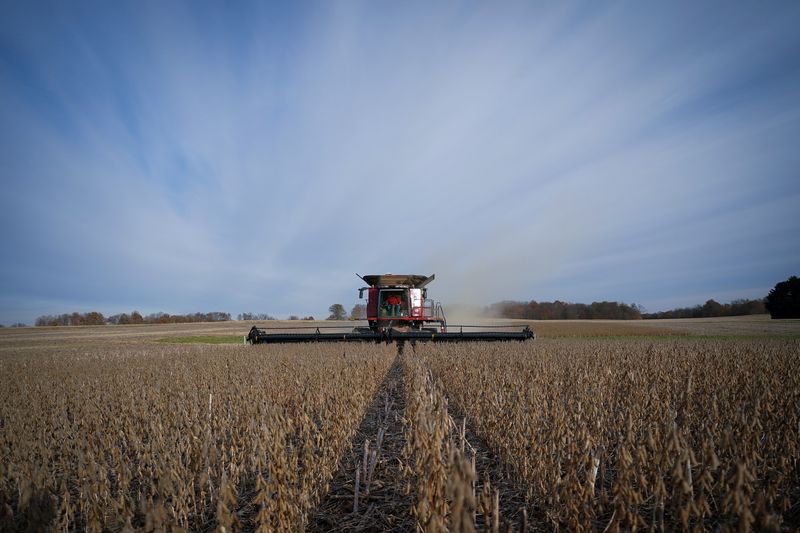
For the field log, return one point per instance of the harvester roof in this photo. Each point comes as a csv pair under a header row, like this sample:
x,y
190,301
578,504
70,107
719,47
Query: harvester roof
x,y
398,280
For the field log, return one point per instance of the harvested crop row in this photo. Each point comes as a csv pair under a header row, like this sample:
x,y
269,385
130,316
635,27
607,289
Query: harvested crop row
x,y
368,493
625,435
440,464
185,437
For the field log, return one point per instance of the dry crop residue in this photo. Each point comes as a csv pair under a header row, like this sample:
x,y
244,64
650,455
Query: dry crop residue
x,y
582,434
179,438
624,435
440,463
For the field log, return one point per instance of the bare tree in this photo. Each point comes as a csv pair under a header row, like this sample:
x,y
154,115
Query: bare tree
x,y
337,312
359,312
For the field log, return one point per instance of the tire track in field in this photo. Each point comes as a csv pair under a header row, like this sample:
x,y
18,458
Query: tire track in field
x,y
382,503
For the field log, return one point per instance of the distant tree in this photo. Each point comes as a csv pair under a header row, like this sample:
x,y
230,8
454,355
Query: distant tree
x,y
155,318
309,317
255,316
713,308
747,307
337,312
136,318
783,301
294,317
19,325
359,312
94,319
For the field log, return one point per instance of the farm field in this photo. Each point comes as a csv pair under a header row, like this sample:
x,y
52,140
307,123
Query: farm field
x,y
601,425
55,337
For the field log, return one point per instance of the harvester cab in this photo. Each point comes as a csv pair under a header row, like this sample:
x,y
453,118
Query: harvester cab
x,y
401,302
398,310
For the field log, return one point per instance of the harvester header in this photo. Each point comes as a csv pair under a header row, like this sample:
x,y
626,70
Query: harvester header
x,y
398,310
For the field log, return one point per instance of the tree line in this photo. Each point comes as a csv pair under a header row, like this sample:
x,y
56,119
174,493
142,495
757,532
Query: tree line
x,y
559,310
713,308
93,318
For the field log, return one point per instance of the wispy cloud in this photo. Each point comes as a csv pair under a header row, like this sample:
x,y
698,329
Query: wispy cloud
x,y
183,157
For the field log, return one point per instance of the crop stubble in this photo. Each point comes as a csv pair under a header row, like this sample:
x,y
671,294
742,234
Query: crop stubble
x,y
179,438
580,433
621,435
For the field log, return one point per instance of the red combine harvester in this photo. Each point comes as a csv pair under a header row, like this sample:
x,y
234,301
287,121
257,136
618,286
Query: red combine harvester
x,y
398,310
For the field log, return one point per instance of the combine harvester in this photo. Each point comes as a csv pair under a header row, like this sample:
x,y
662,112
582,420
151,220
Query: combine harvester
x,y
398,310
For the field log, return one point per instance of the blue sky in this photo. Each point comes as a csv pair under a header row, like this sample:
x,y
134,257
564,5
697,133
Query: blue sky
x,y
181,157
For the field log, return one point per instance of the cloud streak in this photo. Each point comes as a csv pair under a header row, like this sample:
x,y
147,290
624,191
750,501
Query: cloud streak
x,y
185,157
